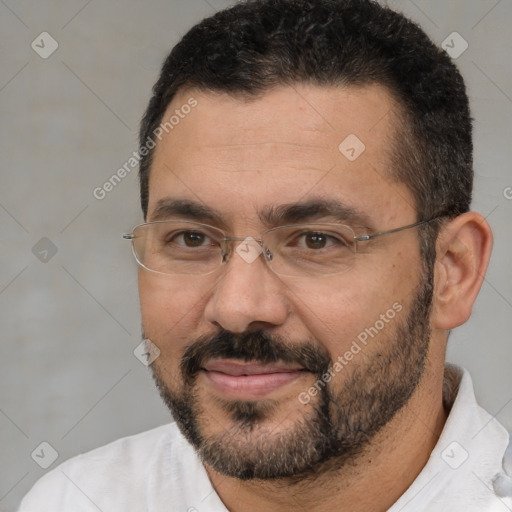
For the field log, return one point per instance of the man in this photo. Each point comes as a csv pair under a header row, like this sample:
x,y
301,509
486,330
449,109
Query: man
x,y
306,179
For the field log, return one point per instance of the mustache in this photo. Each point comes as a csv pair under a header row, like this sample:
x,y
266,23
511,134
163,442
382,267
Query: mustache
x,y
257,346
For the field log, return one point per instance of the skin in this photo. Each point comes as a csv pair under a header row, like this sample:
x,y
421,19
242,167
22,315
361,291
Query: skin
x,y
239,157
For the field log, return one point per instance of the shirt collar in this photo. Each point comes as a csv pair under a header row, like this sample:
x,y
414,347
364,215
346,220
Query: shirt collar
x,y
467,458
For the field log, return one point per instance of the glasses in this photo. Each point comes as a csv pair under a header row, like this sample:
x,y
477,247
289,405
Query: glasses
x,y
180,247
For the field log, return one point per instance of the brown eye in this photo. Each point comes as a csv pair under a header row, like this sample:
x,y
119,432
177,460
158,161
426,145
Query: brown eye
x,y
315,240
319,240
193,239
189,239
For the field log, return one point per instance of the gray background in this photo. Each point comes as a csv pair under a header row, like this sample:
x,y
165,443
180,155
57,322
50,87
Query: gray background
x,y
69,325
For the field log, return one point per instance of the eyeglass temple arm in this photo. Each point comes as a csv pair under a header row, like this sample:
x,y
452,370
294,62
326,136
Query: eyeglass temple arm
x,y
364,238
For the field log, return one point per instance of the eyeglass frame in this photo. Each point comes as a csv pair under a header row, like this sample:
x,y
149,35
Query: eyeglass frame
x,y
226,255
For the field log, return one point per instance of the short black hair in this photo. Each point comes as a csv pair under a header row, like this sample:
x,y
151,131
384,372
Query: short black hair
x,y
257,44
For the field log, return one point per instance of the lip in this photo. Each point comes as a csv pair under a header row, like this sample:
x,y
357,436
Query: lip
x,y
251,379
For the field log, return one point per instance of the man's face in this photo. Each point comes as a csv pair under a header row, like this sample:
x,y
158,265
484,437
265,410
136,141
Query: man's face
x,y
248,358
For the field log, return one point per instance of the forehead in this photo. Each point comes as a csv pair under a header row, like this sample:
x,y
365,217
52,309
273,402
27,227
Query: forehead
x,y
290,144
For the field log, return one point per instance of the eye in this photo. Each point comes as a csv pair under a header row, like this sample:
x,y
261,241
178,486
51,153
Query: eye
x,y
190,239
317,240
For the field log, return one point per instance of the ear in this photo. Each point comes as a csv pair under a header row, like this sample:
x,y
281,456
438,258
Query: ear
x,y
463,248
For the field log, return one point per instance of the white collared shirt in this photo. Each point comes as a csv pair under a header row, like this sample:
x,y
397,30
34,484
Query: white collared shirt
x,y
159,471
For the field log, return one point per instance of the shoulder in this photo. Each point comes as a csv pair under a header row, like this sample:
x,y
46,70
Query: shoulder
x,y
112,477
470,468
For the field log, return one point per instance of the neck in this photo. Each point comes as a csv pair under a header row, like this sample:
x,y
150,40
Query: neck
x,y
371,482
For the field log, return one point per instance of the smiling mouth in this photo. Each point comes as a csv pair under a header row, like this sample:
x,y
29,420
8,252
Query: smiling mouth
x,y
249,379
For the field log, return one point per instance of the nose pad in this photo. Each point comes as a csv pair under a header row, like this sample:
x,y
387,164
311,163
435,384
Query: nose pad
x,y
249,249
247,295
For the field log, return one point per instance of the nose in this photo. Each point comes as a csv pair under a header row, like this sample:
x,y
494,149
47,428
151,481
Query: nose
x,y
247,295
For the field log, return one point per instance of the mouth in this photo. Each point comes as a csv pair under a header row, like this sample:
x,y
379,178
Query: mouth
x,y
249,379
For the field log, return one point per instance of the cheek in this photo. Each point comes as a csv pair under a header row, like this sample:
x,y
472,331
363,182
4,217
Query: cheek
x,y
170,310
335,317
347,305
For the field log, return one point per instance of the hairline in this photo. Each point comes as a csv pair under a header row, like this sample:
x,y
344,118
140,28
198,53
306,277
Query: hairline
x,y
401,121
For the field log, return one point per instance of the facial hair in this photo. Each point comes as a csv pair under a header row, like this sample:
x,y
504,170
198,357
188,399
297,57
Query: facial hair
x,y
337,425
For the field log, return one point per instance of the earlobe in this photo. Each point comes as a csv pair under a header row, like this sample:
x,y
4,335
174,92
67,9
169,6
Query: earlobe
x,y
463,250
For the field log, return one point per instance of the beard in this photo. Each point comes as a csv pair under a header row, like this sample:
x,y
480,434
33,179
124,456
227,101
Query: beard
x,y
337,424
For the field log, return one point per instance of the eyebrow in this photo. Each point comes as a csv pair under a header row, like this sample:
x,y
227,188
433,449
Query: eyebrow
x,y
167,207
314,209
270,216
